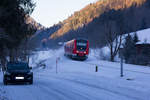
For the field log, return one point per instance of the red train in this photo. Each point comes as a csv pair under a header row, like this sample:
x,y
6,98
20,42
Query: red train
x,y
77,49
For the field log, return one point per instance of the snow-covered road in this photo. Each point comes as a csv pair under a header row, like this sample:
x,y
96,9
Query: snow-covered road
x,y
77,80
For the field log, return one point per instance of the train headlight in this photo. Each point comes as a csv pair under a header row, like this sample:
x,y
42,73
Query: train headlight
x,y
77,51
84,51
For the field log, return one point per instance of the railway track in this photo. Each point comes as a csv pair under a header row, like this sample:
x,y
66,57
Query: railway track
x,y
117,68
111,67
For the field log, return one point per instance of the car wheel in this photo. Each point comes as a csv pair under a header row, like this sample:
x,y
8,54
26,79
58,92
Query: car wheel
x,y
31,82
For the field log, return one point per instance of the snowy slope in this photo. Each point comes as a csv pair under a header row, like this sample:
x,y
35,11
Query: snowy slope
x,y
143,35
77,80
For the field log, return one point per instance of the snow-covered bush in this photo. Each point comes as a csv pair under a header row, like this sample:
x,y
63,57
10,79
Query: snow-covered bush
x,y
101,53
104,54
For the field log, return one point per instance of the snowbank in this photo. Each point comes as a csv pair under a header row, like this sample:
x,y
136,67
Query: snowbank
x,y
40,56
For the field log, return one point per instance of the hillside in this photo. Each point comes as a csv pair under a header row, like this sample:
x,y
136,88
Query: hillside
x,y
42,35
90,12
35,24
89,22
121,21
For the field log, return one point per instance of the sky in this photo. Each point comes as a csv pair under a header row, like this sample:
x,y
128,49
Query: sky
x,y
50,12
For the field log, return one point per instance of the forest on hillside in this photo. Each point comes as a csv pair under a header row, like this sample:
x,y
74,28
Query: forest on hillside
x,y
92,11
118,16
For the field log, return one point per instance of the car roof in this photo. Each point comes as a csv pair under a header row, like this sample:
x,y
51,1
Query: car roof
x,y
20,63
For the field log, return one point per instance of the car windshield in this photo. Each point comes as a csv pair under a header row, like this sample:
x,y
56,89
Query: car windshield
x,y
17,66
81,45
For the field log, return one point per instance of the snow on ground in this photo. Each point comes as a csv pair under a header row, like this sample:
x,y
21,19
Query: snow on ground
x,y
39,57
3,95
77,80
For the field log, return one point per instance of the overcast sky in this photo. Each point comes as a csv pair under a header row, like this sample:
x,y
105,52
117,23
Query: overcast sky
x,y
49,12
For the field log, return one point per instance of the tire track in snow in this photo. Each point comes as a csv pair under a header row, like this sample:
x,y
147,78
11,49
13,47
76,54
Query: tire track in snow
x,y
47,93
101,88
32,92
63,90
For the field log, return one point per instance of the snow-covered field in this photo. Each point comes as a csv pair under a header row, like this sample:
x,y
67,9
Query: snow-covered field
x,y
77,80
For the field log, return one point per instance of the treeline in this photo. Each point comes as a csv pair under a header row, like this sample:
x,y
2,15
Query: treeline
x,y
41,37
14,29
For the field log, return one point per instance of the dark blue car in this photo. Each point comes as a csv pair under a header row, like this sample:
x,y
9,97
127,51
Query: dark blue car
x,y
17,72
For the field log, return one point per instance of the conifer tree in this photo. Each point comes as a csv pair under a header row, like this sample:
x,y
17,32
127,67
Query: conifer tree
x,y
13,20
135,38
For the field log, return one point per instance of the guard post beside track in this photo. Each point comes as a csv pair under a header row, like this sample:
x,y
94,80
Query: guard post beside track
x,y
96,70
57,59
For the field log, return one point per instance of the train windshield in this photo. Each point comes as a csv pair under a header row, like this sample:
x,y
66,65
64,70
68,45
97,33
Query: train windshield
x,y
81,45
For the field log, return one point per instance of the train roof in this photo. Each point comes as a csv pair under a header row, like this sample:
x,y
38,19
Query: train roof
x,y
77,40
81,39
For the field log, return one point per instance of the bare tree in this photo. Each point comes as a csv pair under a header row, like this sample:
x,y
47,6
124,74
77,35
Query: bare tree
x,y
113,39
113,28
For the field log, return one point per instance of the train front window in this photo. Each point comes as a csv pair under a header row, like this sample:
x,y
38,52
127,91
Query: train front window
x,y
81,45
